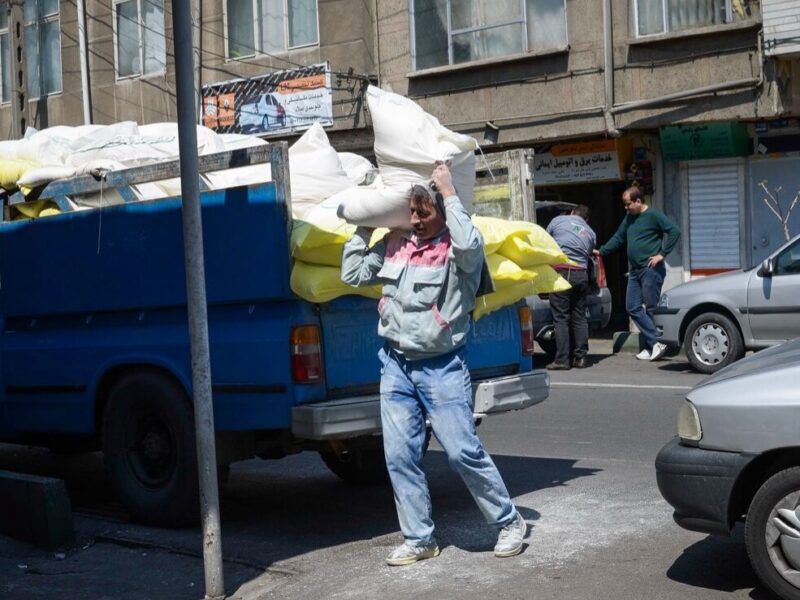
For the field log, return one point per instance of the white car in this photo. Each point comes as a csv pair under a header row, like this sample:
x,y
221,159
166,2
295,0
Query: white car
x,y
718,318
262,114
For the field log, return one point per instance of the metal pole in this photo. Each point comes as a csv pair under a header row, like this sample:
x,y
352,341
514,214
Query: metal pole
x,y
84,58
196,299
19,79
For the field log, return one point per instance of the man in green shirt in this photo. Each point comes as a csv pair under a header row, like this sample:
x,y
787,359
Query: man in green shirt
x,y
643,229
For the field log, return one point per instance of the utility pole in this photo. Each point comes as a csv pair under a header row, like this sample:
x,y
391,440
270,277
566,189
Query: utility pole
x,y
196,299
19,82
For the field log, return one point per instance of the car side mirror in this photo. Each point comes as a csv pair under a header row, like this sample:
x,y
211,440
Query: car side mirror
x,y
768,267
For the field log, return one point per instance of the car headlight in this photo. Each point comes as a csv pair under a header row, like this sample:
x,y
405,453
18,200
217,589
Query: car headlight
x,y
689,428
664,301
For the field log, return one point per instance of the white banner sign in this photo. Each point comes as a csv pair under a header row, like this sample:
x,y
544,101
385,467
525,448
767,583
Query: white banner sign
x,y
576,168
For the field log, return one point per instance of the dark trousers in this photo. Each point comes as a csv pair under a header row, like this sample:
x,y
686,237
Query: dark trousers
x,y
643,294
569,317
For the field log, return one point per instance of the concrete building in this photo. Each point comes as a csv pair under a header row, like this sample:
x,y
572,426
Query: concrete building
x,y
697,100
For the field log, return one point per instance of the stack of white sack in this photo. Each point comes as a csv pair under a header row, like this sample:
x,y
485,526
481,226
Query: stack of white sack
x,y
408,141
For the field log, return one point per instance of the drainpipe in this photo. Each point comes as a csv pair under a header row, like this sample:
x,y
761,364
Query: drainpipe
x,y
378,43
708,89
84,60
608,70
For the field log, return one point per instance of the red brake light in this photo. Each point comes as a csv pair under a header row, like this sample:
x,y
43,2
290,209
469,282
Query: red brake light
x,y
601,273
526,330
306,349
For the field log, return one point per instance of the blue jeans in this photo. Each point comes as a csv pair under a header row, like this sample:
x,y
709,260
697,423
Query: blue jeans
x,y
440,389
644,292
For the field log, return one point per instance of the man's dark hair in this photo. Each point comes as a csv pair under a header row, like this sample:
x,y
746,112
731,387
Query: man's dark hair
x,y
428,196
634,193
582,211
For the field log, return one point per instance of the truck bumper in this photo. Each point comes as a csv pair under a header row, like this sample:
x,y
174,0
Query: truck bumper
x,y
353,417
698,484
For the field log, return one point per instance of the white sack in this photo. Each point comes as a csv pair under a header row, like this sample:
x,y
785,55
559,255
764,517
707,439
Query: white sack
x,y
315,171
408,141
42,175
374,205
357,167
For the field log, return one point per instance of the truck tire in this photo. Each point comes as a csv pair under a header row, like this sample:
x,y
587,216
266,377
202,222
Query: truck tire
x,y
549,349
772,534
365,466
149,449
712,342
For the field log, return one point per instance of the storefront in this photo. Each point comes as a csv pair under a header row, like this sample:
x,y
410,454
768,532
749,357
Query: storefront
x,y
595,173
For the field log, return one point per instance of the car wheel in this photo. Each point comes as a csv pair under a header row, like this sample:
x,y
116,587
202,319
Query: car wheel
x,y
149,449
712,342
772,534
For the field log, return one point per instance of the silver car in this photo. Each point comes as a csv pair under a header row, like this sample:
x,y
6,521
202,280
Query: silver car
x,y
717,318
737,457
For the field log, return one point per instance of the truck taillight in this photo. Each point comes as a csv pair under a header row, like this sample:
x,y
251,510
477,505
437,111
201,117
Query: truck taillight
x,y
306,354
526,330
601,273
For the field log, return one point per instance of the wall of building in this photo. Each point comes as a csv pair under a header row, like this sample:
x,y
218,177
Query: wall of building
x,y
347,41
530,98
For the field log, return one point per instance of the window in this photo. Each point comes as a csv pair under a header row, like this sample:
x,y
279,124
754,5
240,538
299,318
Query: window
x,y
788,261
141,47
448,32
269,26
5,56
42,47
662,16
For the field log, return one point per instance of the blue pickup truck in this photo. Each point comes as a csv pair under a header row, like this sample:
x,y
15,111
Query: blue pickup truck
x,y
95,346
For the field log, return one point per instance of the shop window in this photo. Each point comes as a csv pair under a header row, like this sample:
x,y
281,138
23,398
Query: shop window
x,y
664,16
141,46
449,32
42,47
270,26
5,56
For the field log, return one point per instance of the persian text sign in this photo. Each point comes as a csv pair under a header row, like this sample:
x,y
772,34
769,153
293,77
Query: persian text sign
x,y
279,102
577,163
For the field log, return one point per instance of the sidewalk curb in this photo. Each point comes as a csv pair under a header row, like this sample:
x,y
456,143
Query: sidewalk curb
x,y
36,510
626,341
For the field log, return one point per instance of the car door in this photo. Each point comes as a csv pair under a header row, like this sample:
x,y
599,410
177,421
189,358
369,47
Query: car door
x,y
773,301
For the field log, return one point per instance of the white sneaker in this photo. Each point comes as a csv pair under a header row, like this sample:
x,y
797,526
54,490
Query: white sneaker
x,y
658,351
644,355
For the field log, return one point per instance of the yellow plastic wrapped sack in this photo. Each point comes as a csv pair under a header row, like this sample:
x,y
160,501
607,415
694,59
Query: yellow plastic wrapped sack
x,y
502,297
527,244
11,169
320,238
39,208
494,232
317,283
546,280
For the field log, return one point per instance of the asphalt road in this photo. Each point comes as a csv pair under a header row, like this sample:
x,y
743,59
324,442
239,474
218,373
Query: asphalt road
x,y
579,466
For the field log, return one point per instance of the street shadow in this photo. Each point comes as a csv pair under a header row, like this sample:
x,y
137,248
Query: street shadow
x,y
317,510
718,563
676,366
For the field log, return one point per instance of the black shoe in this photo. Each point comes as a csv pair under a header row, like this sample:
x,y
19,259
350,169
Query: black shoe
x,y
556,366
580,363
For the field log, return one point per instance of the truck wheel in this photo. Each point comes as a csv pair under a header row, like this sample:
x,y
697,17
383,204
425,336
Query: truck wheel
x,y
712,342
549,348
772,534
149,449
365,466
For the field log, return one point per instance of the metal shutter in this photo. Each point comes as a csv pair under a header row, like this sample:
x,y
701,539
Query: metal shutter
x,y
714,192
